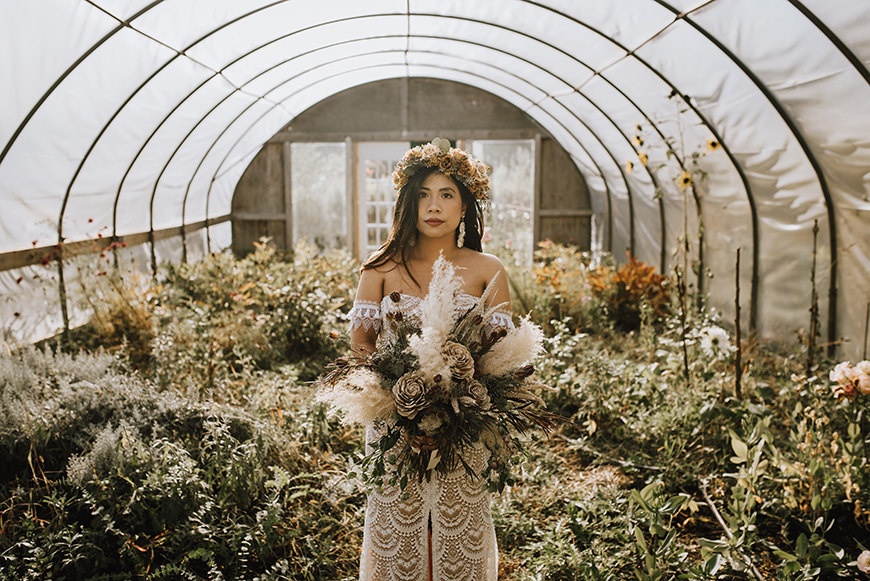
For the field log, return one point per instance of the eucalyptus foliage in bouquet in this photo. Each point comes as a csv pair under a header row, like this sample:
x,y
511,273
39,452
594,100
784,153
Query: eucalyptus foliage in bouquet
x,y
434,392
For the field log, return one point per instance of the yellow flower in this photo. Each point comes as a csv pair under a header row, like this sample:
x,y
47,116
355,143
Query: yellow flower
x,y
713,145
628,167
685,180
637,140
643,158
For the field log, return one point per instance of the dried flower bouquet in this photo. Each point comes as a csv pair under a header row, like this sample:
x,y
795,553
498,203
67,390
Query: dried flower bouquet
x,y
434,392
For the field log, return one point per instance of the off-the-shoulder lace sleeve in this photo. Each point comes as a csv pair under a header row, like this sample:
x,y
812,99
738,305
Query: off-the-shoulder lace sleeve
x,y
365,315
498,320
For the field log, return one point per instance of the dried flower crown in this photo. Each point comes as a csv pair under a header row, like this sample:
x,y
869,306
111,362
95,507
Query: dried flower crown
x,y
449,161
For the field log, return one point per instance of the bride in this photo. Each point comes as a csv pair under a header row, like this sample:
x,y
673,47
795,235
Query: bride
x,y
440,529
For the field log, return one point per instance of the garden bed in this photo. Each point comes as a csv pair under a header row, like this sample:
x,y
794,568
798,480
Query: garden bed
x,y
175,436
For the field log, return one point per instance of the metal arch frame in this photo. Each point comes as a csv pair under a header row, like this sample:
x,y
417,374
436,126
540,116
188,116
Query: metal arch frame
x,y
651,175
232,148
835,40
461,41
616,163
126,23
8,145
359,39
817,168
67,73
628,188
592,159
753,305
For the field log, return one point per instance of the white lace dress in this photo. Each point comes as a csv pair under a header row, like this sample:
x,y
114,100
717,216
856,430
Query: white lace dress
x,y
395,541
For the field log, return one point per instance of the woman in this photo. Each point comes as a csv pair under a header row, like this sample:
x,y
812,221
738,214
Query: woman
x,y
442,530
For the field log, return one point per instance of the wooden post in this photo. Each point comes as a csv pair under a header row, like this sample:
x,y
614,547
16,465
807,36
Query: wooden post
x,y
350,191
288,198
866,325
738,364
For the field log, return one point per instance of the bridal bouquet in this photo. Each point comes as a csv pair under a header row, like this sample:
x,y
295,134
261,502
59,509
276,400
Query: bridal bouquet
x,y
435,392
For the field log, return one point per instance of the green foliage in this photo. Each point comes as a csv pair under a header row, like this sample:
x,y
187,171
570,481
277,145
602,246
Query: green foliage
x,y
221,317
655,538
116,475
200,454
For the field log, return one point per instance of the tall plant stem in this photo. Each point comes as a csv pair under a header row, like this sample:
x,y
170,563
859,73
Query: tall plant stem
x,y
738,364
814,305
681,291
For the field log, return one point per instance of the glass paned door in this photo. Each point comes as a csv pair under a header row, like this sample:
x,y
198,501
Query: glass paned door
x,y
510,225
376,196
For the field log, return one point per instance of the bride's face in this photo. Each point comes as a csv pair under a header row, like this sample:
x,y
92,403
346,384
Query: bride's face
x,y
440,207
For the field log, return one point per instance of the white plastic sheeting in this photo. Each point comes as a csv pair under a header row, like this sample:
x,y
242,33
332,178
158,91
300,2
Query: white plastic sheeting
x,y
126,117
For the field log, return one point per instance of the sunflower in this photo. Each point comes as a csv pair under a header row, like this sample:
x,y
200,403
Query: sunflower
x,y
713,145
685,180
628,167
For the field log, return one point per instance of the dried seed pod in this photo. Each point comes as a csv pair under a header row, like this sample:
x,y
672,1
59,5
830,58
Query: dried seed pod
x,y
398,317
477,319
342,362
395,296
524,372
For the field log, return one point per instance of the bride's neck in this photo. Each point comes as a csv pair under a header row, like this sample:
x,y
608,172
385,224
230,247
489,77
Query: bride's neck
x,y
429,249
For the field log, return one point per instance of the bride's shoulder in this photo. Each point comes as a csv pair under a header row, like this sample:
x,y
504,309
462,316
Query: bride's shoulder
x,y
486,264
371,285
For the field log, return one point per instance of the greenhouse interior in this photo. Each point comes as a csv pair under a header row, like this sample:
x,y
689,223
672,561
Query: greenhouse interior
x,y
679,196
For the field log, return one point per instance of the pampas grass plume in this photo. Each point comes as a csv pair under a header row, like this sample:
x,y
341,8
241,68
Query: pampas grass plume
x,y
437,318
360,396
520,346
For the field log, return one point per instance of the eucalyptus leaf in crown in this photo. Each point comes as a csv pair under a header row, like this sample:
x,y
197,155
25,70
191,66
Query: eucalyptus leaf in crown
x,y
435,392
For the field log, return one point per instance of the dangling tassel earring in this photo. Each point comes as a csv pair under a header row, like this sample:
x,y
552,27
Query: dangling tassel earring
x,y
461,239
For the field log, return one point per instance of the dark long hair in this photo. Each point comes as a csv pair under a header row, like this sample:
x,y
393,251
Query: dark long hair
x,y
404,229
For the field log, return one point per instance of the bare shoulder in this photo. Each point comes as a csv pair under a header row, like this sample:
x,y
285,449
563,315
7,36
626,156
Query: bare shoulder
x,y
483,268
487,265
371,285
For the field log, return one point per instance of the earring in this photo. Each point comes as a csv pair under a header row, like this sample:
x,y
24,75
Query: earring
x,y
413,240
461,239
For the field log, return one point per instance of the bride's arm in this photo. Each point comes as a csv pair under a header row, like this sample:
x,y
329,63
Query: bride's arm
x,y
366,314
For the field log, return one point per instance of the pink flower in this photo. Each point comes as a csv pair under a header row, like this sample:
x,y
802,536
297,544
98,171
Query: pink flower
x,y
861,377
846,390
842,373
862,382
864,562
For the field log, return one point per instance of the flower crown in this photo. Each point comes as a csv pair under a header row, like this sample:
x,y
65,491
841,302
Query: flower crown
x,y
449,161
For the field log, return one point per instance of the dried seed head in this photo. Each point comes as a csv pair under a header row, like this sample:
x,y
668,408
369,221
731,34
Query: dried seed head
x,y
524,372
395,296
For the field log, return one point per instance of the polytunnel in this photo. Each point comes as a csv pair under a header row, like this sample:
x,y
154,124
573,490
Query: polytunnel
x,y
133,122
